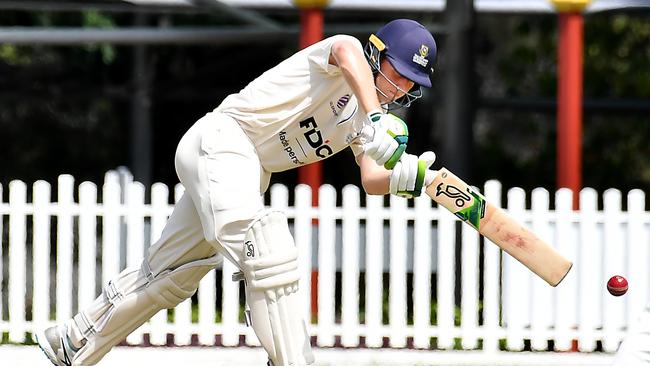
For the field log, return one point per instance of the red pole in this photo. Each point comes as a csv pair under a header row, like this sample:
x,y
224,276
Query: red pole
x,y
569,104
311,31
311,26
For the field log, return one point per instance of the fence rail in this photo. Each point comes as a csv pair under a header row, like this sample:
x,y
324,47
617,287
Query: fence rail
x,y
56,255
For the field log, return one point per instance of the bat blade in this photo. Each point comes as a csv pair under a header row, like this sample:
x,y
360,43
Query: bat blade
x,y
497,225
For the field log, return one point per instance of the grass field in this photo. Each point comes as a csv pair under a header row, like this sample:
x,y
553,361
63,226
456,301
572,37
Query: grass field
x,y
216,356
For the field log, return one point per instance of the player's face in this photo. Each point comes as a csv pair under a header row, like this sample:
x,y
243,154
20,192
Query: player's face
x,y
391,84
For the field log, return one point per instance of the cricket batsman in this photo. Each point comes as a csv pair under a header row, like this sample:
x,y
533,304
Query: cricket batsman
x,y
323,99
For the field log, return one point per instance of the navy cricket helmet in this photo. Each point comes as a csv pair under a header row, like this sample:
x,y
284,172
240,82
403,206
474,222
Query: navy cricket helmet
x,y
411,50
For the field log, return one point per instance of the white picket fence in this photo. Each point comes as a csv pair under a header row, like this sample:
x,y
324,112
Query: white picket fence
x,y
498,298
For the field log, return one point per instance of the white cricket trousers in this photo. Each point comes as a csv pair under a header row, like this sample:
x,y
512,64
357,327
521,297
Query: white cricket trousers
x,y
224,182
218,166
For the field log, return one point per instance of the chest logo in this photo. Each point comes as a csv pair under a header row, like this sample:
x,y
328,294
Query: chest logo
x,y
315,138
340,104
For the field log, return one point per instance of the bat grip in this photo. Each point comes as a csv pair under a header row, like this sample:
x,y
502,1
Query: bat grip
x,y
429,176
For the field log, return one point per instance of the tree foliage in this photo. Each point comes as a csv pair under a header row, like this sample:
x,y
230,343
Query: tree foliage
x,y
517,58
67,109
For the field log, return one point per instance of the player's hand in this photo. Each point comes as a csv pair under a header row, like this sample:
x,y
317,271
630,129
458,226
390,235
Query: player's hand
x,y
388,139
409,176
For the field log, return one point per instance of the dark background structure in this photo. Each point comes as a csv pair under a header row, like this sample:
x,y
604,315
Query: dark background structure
x,y
86,107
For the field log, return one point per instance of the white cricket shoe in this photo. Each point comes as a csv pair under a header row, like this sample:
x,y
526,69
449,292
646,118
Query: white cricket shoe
x,y
56,345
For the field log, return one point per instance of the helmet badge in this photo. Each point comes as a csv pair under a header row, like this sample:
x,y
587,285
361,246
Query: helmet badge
x,y
424,50
421,59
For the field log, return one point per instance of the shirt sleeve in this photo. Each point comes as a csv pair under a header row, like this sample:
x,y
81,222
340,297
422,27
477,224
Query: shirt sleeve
x,y
321,51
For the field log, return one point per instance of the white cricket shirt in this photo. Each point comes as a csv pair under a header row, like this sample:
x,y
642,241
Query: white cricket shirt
x,y
300,111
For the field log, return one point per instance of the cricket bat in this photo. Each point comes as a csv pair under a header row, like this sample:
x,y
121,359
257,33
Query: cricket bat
x,y
497,225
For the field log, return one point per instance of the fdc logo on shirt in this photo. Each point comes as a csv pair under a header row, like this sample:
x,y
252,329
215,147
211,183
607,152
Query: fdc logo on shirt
x,y
315,138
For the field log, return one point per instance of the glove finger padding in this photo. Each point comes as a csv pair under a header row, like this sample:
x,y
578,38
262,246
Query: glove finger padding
x,y
408,177
388,149
381,148
395,156
407,180
394,178
388,141
424,163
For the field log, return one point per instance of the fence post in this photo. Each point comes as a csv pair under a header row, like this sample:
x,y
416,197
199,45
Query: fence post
x,y
134,204
374,270
446,278
350,267
517,282
111,230
590,275
41,254
87,243
565,300
614,251
422,253
397,309
637,256
183,311
64,248
326,265
469,287
159,213
302,233
542,294
491,279
17,260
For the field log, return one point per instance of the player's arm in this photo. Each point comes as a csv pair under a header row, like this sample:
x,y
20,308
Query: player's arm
x,y
353,65
374,178
407,179
386,140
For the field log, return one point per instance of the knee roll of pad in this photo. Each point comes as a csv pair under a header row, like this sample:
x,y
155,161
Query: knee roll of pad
x,y
273,271
169,288
270,266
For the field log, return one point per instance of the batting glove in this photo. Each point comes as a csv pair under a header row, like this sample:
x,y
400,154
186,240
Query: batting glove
x,y
389,139
409,177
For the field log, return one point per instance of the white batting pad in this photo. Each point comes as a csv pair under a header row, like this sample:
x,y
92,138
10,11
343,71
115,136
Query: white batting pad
x,y
270,266
130,300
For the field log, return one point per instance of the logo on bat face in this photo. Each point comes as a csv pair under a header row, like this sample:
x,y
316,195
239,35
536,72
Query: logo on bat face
x,y
453,192
474,201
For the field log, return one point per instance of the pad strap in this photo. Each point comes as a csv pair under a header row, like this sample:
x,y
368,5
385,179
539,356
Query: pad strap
x,y
85,325
112,293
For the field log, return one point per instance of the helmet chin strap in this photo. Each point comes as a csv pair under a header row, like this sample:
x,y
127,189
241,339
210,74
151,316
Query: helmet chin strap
x,y
402,102
390,106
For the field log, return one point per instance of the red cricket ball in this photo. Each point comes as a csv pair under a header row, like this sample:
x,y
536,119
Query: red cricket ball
x,y
617,285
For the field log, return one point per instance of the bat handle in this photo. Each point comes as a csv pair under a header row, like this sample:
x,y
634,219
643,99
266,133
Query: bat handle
x,y
429,176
